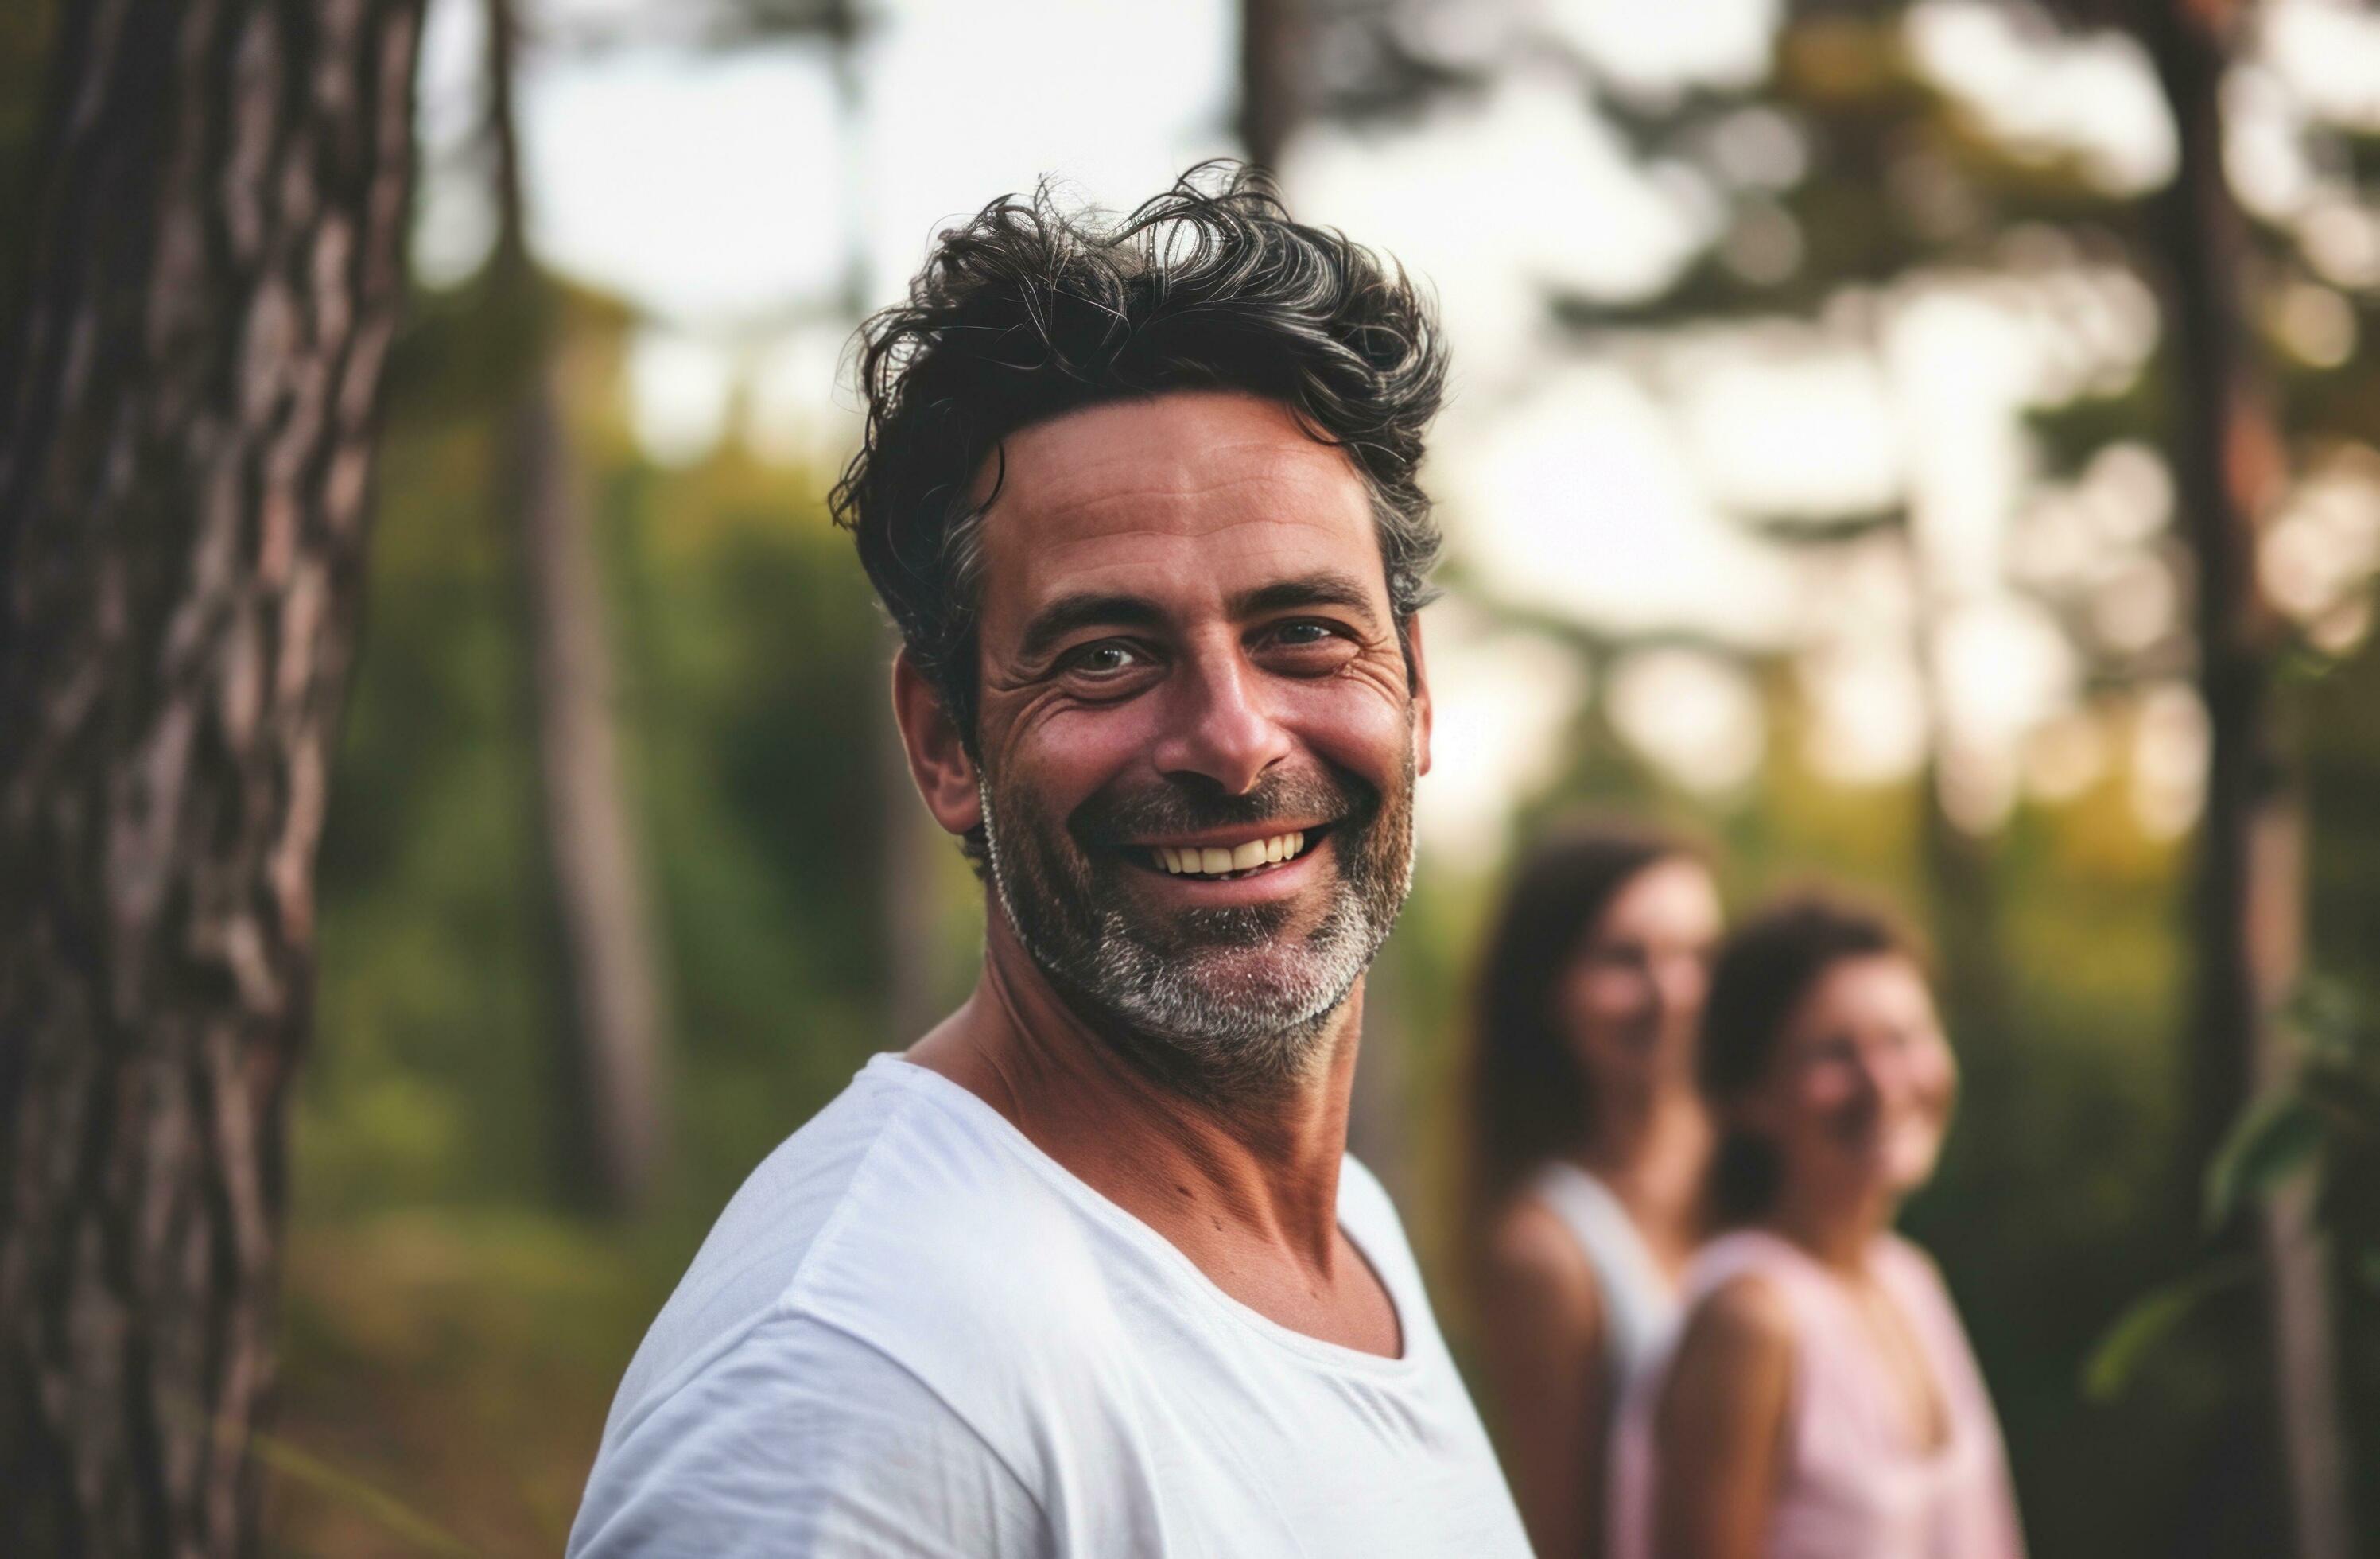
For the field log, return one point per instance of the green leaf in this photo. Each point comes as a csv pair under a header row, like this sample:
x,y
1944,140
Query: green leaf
x,y
2115,1362
2326,1013
2274,1140
2302,664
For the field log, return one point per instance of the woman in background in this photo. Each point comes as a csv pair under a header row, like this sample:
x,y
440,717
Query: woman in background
x,y
1822,1399
1588,1146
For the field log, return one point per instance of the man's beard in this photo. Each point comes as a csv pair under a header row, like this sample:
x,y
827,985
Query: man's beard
x,y
1230,1003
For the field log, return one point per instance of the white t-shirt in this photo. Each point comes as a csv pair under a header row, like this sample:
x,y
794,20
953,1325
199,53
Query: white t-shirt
x,y
913,1333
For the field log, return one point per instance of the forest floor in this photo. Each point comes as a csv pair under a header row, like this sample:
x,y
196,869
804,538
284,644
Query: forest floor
x,y
444,1381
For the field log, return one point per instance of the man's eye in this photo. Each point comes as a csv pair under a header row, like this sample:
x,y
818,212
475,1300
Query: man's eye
x,y
1106,659
1300,636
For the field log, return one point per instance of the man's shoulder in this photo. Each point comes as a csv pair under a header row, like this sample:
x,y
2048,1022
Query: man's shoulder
x,y
966,1256
798,1438
899,1215
951,1216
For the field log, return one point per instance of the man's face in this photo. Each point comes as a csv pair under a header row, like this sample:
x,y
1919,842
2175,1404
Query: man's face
x,y
1199,733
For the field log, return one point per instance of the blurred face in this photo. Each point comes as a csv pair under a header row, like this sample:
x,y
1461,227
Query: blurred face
x,y
1633,991
1199,731
1858,1093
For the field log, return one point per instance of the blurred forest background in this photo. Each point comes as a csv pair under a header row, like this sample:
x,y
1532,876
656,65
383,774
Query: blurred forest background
x,y
1821,480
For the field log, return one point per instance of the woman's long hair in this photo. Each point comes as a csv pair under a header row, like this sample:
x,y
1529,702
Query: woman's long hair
x,y
1765,970
1529,1095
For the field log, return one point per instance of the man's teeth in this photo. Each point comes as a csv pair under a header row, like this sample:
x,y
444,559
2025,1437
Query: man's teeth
x,y
1213,860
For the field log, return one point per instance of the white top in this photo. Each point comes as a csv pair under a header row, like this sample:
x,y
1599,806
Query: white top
x,y
913,1333
1640,1303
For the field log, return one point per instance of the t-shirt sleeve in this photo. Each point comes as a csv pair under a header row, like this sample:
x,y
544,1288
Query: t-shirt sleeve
x,y
798,1440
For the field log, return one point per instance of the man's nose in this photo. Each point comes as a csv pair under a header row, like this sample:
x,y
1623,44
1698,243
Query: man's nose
x,y
1219,726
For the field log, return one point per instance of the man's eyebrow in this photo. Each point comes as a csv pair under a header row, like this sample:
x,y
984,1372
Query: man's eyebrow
x,y
1086,609
1325,589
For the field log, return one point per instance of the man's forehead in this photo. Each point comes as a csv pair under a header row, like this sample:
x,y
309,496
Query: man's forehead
x,y
1176,446
1229,480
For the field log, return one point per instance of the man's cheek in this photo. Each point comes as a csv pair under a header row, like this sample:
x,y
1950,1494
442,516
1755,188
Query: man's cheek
x,y
1368,736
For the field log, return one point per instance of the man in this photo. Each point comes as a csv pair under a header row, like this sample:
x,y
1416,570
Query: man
x,y
1086,1271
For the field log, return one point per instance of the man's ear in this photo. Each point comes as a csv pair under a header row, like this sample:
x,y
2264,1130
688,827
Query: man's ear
x,y
1417,673
938,763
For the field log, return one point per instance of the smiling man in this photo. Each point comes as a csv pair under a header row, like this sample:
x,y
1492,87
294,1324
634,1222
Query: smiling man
x,y
1086,1270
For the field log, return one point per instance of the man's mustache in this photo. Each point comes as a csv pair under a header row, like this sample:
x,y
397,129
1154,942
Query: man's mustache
x,y
1310,797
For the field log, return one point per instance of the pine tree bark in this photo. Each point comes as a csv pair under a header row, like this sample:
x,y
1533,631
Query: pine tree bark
x,y
185,452
612,1009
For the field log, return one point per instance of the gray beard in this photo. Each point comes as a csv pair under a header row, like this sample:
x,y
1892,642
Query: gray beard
x,y
1196,1015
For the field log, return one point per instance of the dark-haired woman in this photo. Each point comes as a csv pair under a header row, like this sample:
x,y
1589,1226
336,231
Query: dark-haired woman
x,y
1588,1145
1822,1398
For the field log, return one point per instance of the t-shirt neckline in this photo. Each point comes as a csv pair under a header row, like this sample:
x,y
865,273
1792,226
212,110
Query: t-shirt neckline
x,y
952,1096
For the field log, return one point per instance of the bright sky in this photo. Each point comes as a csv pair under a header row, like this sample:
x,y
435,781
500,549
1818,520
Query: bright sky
x,y
732,196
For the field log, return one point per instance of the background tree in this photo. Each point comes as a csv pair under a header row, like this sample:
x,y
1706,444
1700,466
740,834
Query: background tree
x,y
2231,469
610,1015
186,459
612,1030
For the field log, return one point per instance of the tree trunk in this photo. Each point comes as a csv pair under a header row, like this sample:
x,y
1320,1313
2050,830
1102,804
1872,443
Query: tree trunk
x,y
185,445
1272,77
2228,464
610,1026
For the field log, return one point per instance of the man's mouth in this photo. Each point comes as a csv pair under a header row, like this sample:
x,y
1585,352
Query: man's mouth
x,y
1221,863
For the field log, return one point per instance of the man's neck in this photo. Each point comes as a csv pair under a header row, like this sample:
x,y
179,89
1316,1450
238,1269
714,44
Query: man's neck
x,y
1247,1188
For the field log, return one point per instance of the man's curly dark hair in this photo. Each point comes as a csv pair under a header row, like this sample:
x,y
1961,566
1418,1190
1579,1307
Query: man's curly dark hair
x,y
1031,311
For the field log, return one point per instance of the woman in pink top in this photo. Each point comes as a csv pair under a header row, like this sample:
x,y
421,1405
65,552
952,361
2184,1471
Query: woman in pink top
x,y
1821,1399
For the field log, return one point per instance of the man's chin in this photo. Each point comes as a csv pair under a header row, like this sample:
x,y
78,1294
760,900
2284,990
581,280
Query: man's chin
x,y
1222,1007
1267,979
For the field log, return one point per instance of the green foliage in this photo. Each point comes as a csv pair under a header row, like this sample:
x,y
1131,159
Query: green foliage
x,y
2337,721
430,1079
756,705
2322,1122
2066,435
2329,1106
2152,1323
2280,1135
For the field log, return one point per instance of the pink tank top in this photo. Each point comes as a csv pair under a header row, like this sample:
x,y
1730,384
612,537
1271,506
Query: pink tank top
x,y
1854,1484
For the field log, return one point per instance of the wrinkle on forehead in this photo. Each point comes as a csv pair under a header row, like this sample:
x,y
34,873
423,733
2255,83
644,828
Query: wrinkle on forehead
x,y
1182,482
1179,445
1250,537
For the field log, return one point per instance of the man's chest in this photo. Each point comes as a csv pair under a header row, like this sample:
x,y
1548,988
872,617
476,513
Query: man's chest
x,y
1238,1458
